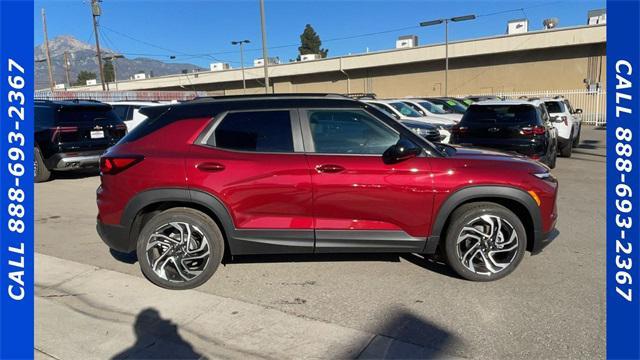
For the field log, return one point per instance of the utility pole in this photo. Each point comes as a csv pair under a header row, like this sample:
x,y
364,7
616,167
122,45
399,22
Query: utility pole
x,y
95,13
446,43
241,43
265,54
46,45
66,67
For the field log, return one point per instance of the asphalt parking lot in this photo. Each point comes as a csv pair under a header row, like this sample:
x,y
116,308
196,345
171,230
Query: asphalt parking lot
x,y
552,306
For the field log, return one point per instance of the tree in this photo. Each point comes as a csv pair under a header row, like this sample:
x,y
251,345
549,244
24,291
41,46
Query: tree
x,y
109,72
83,76
310,43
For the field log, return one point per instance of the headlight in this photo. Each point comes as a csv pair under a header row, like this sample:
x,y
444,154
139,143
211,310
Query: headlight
x,y
545,176
421,132
445,127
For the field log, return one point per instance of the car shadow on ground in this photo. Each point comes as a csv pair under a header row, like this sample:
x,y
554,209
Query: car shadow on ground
x,y
74,175
408,336
157,338
427,262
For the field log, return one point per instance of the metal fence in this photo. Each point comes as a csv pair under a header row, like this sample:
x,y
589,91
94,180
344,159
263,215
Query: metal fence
x,y
592,102
108,96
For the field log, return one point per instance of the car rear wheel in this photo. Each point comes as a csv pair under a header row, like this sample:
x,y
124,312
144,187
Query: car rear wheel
x,y
40,171
565,150
576,141
484,242
180,248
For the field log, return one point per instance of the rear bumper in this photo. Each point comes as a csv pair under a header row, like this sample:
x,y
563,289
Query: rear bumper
x,y
75,160
115,236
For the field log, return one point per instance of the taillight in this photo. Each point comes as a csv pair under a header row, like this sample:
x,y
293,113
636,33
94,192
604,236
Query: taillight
x,y
121,127
62,130
113,165
536,130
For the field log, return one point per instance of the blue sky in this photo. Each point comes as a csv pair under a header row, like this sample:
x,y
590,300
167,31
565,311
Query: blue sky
x,y
200,32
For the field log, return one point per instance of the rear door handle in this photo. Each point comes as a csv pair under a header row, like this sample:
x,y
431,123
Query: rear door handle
x,y
329,168
210,167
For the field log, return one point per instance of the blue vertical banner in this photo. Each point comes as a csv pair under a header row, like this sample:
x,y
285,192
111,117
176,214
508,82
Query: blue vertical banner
x,y
623,182
16,180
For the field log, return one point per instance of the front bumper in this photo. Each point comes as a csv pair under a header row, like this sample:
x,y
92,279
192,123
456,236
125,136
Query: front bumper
x,y
115,236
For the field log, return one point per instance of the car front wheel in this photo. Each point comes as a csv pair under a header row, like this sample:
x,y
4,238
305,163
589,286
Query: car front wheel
x,y
484,242
180,248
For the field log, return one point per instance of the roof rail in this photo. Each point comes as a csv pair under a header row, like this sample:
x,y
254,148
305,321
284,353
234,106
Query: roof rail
x,y
263,96
361,96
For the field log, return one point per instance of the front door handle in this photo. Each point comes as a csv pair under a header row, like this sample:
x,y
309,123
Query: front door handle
x,y
329,168
210,167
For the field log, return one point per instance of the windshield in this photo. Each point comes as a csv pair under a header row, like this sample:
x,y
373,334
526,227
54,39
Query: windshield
x,y
433,108
450,105
501,114
405,109
554,106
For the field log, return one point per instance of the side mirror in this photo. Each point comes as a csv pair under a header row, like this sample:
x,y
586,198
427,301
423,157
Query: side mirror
x,y
404,149
578,111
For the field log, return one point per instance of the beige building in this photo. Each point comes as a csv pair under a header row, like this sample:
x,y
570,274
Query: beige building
x,y
562,58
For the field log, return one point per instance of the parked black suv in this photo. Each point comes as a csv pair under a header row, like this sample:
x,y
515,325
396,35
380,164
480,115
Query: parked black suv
x,y
72,134
511,125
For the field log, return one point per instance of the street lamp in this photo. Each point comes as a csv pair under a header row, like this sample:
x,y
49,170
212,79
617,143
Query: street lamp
x,y
113,58
241,43
446,41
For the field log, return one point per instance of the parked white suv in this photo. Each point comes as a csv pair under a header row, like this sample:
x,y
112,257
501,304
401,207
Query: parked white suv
x,y
129,111
568,122
404,112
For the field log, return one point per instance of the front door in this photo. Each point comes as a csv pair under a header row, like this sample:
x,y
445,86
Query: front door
x,y
360,203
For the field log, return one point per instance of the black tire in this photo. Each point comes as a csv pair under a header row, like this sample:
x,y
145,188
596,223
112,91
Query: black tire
x,y
565,151
576,141
203,223
40,171
467,215
552,159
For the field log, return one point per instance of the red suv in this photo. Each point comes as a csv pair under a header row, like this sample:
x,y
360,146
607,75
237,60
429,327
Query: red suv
x,y
312,173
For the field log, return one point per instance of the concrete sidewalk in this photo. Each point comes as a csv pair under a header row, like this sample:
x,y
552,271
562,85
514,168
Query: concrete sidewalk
x,y
84,312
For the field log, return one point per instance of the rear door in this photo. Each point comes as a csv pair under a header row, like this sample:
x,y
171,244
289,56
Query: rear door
x,y
87,127
254,164
360,203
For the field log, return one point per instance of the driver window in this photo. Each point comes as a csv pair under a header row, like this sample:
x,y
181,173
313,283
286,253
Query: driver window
x,y
349,132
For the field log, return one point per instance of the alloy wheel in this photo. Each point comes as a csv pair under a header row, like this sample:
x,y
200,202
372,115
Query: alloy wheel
x,y
487,245
178,251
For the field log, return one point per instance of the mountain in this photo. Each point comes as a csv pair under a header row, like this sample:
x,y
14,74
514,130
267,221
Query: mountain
x,y
82,57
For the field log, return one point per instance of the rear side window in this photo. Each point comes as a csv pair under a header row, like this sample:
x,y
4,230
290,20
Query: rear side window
x,y
260,131
555,106
501,114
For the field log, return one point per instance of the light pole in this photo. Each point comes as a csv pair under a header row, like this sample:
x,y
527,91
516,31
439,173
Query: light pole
x,y
265,54
241,43
446,42
113,58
